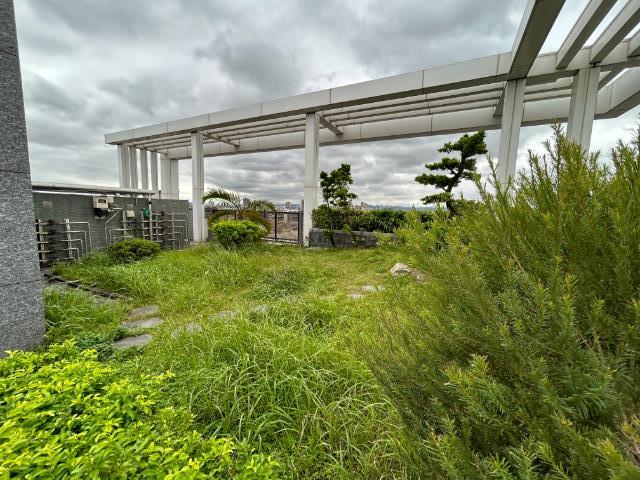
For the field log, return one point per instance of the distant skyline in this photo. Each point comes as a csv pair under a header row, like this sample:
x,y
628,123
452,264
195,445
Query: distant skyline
x,y
91,67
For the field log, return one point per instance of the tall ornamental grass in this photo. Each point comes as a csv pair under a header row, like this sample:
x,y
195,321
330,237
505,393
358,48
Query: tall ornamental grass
x,y
518,355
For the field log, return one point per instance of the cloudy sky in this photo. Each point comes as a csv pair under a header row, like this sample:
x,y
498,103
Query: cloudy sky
x,y
95,66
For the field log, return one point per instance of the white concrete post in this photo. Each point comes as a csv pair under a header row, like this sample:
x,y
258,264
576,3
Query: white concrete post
x,y
311,172
582,107
165,176
153,160
174,191
197,182
144,170
133,167
123,166
510,130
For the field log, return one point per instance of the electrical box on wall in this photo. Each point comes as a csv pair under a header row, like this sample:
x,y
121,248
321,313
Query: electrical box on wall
x,y
102,203
130,214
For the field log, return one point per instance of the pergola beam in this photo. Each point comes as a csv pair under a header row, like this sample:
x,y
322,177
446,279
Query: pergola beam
x,y
327,124
591,17
619,28
534,28
220,139
634,45
443,80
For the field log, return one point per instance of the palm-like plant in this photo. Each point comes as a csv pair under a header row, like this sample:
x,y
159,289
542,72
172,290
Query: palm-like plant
x,y
227,200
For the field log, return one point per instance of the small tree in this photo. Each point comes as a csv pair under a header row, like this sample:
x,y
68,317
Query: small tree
x,y
335,187
456,169
335,192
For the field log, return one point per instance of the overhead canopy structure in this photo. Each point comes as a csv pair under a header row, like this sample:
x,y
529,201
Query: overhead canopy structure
x,y
505,91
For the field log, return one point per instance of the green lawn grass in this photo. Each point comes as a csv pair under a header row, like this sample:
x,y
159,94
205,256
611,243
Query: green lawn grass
x,y
280,371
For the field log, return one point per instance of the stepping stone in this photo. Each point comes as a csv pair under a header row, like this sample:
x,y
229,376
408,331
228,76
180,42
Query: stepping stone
x,y
369,288
260,309
143,323
190,327
355,295
224,314
146,311
130,342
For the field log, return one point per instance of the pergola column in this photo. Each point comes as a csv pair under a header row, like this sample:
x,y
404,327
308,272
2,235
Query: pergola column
x,y
165,175
153,160
175,179
133,168
197,183
582,107
144,170
124,174
510,128
311,172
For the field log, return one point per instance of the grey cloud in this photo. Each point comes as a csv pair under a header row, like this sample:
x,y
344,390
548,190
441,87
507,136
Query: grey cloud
x,y
94,66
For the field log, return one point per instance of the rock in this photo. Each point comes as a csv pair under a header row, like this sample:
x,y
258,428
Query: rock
x,y
401,269
130,342
144,323
142,312
226,314
369,288
191,327
355,295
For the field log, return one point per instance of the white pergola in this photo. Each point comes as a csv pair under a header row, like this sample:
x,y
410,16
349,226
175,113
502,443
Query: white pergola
x,y
576,84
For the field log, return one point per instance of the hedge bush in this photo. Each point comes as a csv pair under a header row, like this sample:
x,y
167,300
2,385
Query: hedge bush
x,y
383,221
132,250
518,355
234,233
65,415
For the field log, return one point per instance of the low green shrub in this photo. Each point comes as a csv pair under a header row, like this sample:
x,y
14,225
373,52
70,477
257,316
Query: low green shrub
x,y
255,217
517,356
383,221
234,233
65,415
132,250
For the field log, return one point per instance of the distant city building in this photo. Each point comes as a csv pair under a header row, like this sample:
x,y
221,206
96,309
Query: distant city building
x,y
245,202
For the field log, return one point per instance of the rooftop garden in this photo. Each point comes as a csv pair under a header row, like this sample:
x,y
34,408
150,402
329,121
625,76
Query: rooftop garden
x,y
506,347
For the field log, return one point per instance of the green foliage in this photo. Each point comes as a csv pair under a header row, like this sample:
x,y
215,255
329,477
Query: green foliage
x,y
285,361
282,283
255,217
335,187
228,202
235,233
75,314
457,170
132,250
517,357
383,221
290,393
65,415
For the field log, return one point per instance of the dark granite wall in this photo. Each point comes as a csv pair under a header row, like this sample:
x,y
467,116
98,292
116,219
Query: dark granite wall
x,y
21,311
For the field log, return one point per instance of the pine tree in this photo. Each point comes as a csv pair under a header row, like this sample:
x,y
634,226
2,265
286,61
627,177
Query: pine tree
x,y
335,187
457,170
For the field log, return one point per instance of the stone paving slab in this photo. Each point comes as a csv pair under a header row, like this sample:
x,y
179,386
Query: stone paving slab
x,y
146,311
143,323
130,342
191,327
